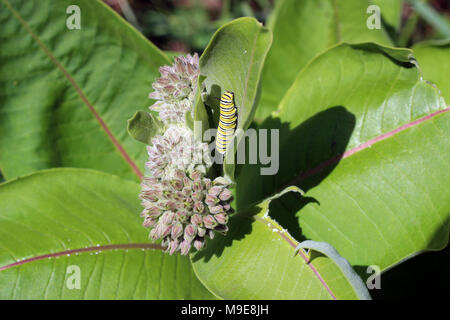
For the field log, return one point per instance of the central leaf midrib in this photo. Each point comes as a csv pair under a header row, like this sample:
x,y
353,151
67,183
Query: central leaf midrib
x,y
290,241
109,247
77,88
362,146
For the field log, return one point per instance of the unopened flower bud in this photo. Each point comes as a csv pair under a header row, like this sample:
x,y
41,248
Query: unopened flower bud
x,y
216,209
173,246
211,200
225,195
149,222
167,217
199,244
164,231
221,181
190,232
201,231
221,218
184,247
198,207
209,222
177,230
214,191
196,219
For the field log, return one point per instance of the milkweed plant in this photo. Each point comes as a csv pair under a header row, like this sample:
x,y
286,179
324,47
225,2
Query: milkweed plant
x,y
182,206
300,158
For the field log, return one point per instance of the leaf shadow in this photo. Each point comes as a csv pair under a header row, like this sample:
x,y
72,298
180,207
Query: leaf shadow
x,y
322,137
311,151
239,225
212,103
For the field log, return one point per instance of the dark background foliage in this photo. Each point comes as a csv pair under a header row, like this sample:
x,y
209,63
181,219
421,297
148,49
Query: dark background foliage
x,y
187,25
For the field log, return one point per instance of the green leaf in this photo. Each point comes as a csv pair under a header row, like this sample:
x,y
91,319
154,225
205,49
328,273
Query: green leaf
x,y
434,61
199,113
143,126
233,61
391,12
256,261
67,94
301,30
366,138
58,218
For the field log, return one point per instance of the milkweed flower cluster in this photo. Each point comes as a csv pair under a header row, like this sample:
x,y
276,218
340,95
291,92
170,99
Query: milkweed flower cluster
x,y
182,205
175,89
177,149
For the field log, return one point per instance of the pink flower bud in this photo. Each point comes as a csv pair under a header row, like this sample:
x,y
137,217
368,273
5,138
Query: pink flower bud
x,y
221,218
149,222
201,232
214,191
164,231
154,95
190,232
154,233
177,230
177,184
198,207
197,186
154,212
167,217
197,196
179,174
187,191
225,195
182,215
184,247
173,246
211,200
209,222
199,244
208,183
216,209
220,181
196,219
171,205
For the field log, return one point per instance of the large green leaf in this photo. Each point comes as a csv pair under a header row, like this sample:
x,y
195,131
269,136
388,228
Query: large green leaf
x,y
301,30
434,61
233,61
66,94
58,218
367,139
256,260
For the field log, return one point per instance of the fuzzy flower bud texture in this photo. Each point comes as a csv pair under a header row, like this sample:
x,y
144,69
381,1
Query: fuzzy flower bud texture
x,y
175,89
182,205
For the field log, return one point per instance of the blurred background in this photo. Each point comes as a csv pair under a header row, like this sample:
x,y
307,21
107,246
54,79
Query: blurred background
x,y
187,25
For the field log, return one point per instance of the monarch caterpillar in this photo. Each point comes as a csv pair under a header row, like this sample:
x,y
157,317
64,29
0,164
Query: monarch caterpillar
x,y
227,122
